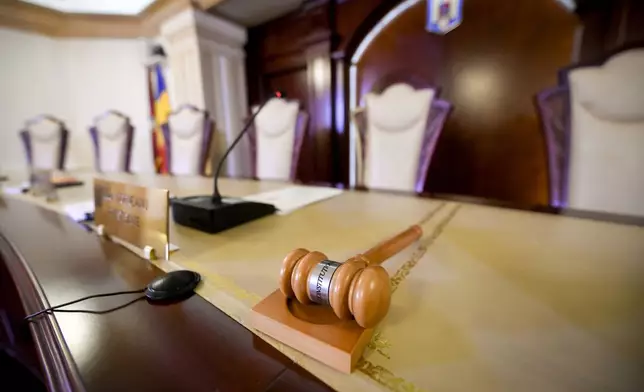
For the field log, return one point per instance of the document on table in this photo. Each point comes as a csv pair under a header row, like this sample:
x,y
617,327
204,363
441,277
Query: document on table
x,y
79,211
15,189
295,197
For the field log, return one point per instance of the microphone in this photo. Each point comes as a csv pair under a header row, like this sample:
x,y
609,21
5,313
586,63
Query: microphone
x,y
214,213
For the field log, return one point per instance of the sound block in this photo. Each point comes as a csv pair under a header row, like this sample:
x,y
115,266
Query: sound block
x,y
312,329
201,213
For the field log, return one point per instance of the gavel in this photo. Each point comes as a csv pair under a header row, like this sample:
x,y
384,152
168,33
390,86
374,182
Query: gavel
x,y
357,288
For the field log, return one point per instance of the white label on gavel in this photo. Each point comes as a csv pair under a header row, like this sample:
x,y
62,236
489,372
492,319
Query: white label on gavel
x,y
320,280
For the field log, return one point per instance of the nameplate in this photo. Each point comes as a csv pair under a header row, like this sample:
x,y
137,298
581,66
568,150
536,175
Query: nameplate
x,y
132,213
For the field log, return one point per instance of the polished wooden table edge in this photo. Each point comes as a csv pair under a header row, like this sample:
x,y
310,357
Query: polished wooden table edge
x,y
55,358
58,365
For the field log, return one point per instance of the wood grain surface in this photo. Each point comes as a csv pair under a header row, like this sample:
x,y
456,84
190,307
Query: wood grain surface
x,y
185,346
488,299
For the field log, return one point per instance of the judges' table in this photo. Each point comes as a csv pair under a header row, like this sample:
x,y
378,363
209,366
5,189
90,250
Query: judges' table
x,y
487,299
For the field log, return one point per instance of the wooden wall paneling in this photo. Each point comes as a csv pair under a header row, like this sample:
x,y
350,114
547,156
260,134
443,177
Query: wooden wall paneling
x,y
353,20
318,59
254,65
351,15
618,21
610,25
490,68
340,140
626,23
294,82
594,39
294,32
293,54
634,29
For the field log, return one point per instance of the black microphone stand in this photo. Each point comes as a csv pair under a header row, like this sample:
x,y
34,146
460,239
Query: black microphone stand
x,y
213,213
216,196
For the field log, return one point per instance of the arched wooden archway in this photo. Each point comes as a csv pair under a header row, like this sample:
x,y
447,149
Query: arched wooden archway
x,y
490,68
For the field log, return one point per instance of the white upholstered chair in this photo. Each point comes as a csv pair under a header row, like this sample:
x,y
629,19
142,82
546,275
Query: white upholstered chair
x,y
188,135
45,142
594,129
112,136
276,139
398,129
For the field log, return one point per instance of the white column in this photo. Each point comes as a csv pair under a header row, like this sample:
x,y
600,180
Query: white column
x,y
206,59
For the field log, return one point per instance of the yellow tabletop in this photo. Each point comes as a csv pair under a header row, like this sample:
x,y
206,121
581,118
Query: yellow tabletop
x,y
488,299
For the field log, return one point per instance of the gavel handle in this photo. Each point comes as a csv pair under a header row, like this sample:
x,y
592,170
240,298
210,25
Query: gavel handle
x,y
390,247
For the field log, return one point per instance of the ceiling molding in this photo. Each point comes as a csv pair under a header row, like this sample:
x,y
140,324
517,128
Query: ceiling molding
x,y
19,15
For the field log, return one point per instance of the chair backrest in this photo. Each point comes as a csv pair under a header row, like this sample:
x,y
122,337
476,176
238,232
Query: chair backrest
x,y
276,139
45,141
594,128
188,136
398,129
112,135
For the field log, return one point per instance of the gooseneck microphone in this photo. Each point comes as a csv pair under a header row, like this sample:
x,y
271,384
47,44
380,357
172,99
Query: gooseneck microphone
x,y
216,196
214,213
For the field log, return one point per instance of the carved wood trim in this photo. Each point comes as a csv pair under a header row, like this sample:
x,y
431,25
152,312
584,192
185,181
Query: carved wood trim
x,y
19,15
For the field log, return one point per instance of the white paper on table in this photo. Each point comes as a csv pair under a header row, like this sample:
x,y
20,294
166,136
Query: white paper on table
x,y
12,190
79,211
15,189
292,198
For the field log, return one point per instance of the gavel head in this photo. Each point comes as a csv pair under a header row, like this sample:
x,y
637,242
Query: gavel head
x,y
353,288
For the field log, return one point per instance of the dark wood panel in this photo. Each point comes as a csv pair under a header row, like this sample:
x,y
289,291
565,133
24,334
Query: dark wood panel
x,y
189,345
296,30
352,14
634,29
292,53
284,63
610,25
593,43
489,68
292,81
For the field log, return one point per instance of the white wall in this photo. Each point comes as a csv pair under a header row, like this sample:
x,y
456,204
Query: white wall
x,y
104,74
74,80
28,82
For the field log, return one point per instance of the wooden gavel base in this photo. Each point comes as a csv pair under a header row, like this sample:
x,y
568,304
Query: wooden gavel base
x,y
312,329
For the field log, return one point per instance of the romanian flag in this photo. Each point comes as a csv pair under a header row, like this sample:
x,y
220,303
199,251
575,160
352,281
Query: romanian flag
x,y
159,110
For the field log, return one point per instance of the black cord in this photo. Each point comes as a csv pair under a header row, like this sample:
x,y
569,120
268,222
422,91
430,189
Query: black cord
x,y
55,308
105,311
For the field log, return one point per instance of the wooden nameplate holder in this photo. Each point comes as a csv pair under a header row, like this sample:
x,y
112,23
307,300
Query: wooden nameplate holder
x,y
135,217
315,329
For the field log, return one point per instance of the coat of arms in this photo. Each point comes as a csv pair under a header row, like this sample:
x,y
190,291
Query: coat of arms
x,y
443,16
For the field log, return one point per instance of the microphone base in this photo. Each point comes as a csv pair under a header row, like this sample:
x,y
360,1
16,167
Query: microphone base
x,y
199,212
